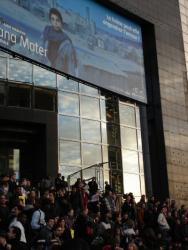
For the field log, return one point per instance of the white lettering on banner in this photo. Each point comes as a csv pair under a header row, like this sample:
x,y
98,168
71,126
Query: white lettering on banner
x,y
7,36
33,47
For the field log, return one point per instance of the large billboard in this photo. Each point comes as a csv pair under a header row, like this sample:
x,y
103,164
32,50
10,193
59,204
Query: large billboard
x,y
81,38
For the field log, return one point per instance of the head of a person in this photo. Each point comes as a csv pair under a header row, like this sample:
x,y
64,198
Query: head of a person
x,y
93,179
51,197
16,210
3,239
24,182
56,19
71,213
164,210
61,223
125,216
50,222
132,246
58,231
13,177
3,200
5,180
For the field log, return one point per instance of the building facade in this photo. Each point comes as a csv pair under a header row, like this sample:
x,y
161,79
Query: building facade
x,y
58,123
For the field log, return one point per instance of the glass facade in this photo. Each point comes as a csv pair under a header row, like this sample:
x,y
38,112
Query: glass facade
x,y
93,126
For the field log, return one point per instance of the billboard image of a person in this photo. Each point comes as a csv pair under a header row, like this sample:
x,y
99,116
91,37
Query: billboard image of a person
x,y
60,50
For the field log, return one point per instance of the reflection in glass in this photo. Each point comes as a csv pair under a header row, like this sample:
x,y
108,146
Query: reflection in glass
x,y
104,132
105,155
43,77
2,94
141,163
112,113
103,109
139,140
3,54
69,127
65,84
128,138
70,152
88,173
3,65
20,70
113,134
91,131
68,103
116,180
130,161
131,184
68,170
90,107
88,90
143,187
127,115
115,157
91,154
137,117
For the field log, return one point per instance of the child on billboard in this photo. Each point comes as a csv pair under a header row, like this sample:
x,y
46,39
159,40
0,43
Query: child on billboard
x,y
60,50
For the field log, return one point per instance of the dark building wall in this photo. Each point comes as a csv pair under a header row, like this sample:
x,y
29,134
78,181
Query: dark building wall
x,y
39,154
167,117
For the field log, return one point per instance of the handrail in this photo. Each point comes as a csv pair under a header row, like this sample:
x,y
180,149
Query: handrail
x,y
81,170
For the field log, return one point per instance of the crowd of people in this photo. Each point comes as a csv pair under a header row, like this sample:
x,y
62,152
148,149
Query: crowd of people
x,y
52,215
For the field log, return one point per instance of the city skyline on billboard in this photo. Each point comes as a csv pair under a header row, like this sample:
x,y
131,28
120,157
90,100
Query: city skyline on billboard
x,y
81,38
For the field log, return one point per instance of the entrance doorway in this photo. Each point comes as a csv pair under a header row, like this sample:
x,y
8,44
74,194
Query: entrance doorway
x,y
23,149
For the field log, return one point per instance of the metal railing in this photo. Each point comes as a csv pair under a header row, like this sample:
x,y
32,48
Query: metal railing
x,y
95,170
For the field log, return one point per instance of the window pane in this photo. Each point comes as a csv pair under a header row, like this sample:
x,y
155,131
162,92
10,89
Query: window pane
x,y
112,113
20,70
91,154
127,115
85,89
143,186
90,107
137,117
104,133
69,127
19,96
3,54
141,162
65,84
105,155
88,173
117,181
128,138
131,184
139,137
103,109
130,161
115,158
70,152
45,99
68,104
113,134
43,77
2,94
91,131
68,170
3,65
